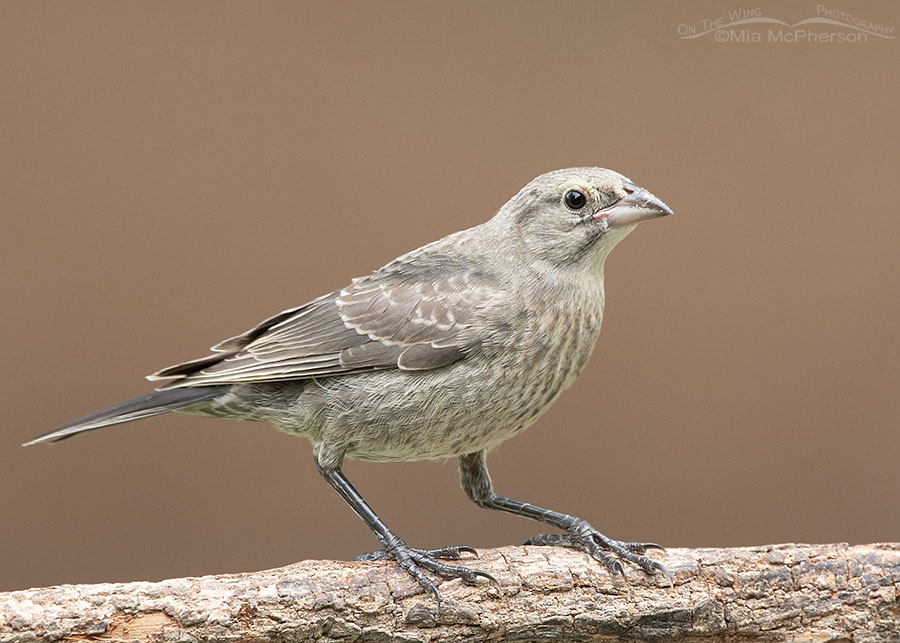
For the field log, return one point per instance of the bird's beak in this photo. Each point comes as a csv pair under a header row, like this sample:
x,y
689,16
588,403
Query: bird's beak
x,y
638,205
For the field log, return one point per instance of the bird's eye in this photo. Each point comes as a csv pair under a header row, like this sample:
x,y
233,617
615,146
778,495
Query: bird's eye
x,y
575,200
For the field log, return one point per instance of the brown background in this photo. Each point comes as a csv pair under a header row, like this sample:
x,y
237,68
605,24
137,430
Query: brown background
x,y
171,173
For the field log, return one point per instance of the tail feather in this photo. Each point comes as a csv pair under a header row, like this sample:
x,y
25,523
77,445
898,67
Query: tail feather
x,y
155,403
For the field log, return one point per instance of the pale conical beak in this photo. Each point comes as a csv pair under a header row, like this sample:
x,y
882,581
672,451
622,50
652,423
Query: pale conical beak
x,y
639,205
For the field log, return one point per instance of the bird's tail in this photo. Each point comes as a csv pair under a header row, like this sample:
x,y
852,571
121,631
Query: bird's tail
x,y
155,403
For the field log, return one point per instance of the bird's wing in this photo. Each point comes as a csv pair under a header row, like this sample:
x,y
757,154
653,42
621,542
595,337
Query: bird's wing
x,y
390,319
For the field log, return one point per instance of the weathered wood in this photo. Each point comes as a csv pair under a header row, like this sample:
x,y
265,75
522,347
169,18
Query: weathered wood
x,y
769,593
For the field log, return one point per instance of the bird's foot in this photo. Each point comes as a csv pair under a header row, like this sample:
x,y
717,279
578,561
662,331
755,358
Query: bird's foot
x,y
584,537
444,553
415,560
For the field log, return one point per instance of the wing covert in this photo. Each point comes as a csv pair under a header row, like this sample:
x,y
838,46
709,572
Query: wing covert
x,y
384,320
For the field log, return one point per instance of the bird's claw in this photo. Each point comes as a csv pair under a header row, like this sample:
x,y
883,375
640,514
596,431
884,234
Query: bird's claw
x,y
640,548
414,560
662,570
584,537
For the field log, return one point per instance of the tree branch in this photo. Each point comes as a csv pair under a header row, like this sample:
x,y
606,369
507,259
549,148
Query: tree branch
x,y
768,593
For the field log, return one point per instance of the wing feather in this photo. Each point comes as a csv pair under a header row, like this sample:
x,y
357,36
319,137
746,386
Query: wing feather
x,y
390,319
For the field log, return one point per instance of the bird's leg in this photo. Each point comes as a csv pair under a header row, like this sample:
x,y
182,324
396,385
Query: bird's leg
x,y
412,560
476,482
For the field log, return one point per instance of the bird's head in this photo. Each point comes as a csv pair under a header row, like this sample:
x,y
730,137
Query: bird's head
x,y
574,217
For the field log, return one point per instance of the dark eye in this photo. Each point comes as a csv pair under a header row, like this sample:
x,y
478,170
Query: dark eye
x,y
575,200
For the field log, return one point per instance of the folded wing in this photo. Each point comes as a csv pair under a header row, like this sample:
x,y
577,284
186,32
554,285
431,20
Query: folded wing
x,y
390,319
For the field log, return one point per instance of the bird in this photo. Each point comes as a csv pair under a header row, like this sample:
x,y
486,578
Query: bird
x,y
444,352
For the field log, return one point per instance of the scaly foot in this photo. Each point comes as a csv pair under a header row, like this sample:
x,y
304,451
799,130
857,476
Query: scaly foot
x,y
584,537
415,560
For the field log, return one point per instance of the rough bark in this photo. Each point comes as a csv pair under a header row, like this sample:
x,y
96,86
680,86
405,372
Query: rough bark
x,y
769,593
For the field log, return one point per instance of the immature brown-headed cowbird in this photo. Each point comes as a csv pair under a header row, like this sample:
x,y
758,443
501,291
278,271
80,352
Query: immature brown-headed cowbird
x,y
446,351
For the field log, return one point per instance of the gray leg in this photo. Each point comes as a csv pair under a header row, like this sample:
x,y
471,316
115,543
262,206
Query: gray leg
x,y
412,560
476,482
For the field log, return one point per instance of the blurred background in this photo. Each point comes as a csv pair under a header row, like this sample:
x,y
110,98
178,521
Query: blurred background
x,y
172,173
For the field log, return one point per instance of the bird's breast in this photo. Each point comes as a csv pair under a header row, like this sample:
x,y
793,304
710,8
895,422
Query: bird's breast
x,y
557,346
